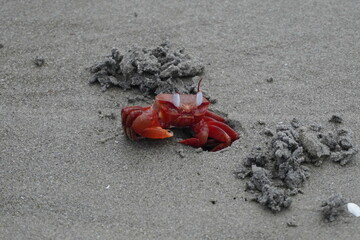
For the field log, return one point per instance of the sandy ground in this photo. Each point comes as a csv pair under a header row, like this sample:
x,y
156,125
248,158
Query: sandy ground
x,y
58,181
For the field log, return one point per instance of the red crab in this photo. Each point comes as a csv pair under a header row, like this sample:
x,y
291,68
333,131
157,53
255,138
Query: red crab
x,y
179,110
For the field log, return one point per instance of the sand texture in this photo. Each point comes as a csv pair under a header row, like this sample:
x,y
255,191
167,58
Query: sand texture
x,y
67,171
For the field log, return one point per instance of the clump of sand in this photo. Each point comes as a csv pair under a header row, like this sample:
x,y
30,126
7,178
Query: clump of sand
x,y
277,172
161,69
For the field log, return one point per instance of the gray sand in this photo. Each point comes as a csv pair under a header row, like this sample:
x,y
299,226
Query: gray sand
x,y
68,172
151,70
277,170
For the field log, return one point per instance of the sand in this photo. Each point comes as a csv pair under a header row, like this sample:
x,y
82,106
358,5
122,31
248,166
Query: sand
x,y
67,170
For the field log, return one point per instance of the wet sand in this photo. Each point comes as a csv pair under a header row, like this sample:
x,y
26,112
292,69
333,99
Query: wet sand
x,y
67,170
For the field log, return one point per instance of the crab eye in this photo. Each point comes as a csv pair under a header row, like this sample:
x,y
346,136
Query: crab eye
x,y
199,98
176,99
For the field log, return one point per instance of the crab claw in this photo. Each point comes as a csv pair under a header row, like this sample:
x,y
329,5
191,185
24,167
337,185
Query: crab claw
x,y
142,121
156,133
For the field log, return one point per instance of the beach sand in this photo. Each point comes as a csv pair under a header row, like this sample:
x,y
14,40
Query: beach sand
x,y
67,170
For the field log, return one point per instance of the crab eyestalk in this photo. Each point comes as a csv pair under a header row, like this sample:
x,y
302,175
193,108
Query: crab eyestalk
x,y
199,95
199,84
176,99
199,98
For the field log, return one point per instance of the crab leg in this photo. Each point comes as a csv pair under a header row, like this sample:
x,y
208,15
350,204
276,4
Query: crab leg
x,y
128,115
129,120
220,135
228,130
214,116
201,131
126,111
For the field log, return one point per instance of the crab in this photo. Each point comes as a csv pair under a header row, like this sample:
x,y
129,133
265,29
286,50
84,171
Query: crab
x,y
179,111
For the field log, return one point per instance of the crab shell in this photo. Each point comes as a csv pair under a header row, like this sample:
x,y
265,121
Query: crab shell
x,y
180,110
